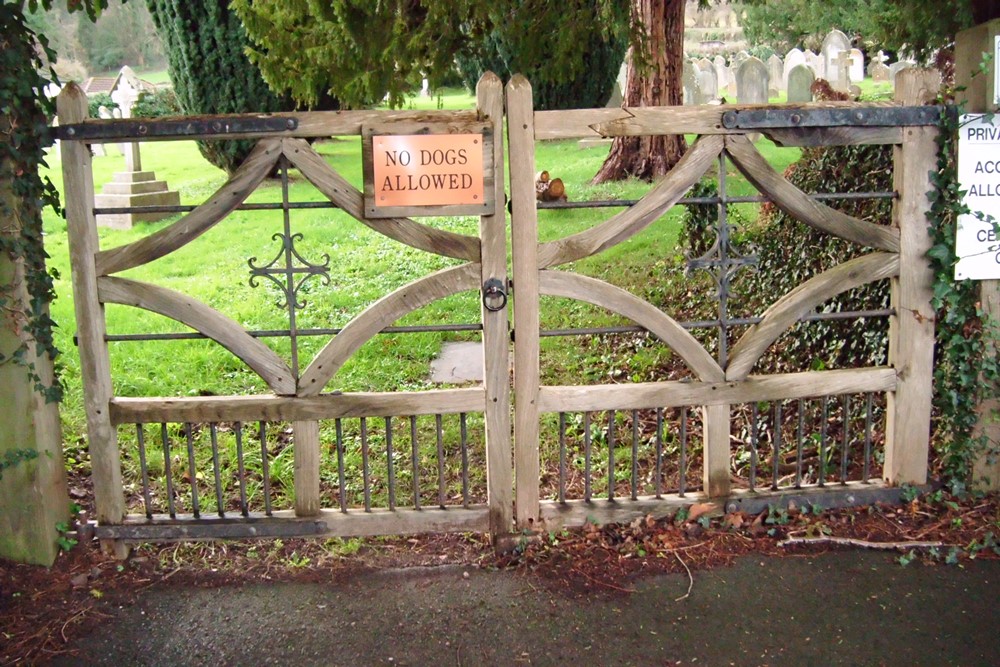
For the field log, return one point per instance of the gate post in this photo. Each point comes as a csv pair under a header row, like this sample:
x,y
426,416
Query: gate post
x,y
716,427
95,366
911,328
524,244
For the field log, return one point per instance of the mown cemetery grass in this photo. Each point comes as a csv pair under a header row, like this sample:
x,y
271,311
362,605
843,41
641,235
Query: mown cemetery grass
x,y
364,266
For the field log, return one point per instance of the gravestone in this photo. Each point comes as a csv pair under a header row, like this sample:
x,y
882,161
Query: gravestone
x,y
857,65
878,59
880,73
739,59
792,59
815,61
898,67
132,187
690,83
834,44
775,71
800,81
752,82
842,66
618,90
708,85
721,72
425,90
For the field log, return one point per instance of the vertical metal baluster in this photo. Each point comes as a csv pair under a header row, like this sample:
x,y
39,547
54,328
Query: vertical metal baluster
x,y
754,434
241,467
341,482
562,457
168,471
611,455
464,432
265,467
798,446
635,455
440,453
868,437
847,439
415,462
141,437
822,441
390,468
776,455
659,452
191,471
219,502
366,465
682,475
586,456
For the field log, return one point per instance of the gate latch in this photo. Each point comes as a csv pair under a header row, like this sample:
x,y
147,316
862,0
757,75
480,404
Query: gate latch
x,y
494,295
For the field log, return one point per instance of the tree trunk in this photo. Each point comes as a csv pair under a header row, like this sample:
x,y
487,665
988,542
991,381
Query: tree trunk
x,y
655,82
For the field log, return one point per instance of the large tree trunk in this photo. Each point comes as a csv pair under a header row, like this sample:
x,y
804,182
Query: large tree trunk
x,y
657,82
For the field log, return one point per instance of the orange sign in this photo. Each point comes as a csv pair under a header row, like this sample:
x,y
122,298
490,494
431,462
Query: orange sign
x,y
427,170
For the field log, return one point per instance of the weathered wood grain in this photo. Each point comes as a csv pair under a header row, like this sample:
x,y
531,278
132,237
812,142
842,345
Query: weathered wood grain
x,y
716,448
647,395
204,319
381,314
255,169
835,136
305,443
796,203
631,221
336,188
617,300
803,299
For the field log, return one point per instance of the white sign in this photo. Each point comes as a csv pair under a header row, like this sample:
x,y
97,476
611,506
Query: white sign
x,y
976,243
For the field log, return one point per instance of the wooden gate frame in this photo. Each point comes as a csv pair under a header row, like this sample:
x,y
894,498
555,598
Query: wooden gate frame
x,y
907,380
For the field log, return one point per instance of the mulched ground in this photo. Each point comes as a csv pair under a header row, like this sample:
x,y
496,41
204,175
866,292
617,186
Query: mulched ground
x,y
43,610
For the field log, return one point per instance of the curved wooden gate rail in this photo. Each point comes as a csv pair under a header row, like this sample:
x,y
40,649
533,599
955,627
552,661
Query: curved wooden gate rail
x,y
895,253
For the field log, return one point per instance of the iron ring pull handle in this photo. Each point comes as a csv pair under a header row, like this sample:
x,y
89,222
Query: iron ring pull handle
x,y
494,295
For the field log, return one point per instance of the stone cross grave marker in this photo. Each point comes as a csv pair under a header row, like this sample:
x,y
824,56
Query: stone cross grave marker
x,y
834,44
842,65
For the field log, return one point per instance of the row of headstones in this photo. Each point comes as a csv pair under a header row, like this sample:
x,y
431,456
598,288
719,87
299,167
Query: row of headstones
x,y
754,81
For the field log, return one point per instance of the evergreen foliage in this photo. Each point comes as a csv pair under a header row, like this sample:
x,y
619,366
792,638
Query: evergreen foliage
x,y
205,45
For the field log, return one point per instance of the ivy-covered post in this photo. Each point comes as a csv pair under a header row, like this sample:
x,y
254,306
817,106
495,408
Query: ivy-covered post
x,y
976,89
911,329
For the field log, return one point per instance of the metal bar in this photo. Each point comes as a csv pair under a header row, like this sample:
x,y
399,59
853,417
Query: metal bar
x,y
562,457
365,470
798,445
341,483
822,441
187,208
611,455
756,199
754,434
415,462
635,455
265,467
682,474
226,127
868,438
464,436
276,333
776,460
390,464
847,440
213,430
168,470
586,456
241,466
755,119
191,469
659,452
440,458
141,438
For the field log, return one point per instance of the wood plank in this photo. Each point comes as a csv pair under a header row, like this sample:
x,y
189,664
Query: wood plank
x,y
617,300
524,244
716,450
573,123
648,395
381,314
196,409
204,319
338,190
799,205
789,309
284,523
95,366
305,442
911,330
835,136
496,339
986,466
241,184
631,221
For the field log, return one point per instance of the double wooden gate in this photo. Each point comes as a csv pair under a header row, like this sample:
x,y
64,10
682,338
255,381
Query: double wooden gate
x,y
217,498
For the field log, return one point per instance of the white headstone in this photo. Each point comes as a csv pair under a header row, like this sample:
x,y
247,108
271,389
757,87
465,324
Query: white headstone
x,y
751,82
425,90
792,59
842,67
800,81
776,71
857,65
721,72
815,61
708,85
690,83
833,45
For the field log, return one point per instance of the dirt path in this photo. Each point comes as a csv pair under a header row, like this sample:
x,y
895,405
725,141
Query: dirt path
x,y
847,608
